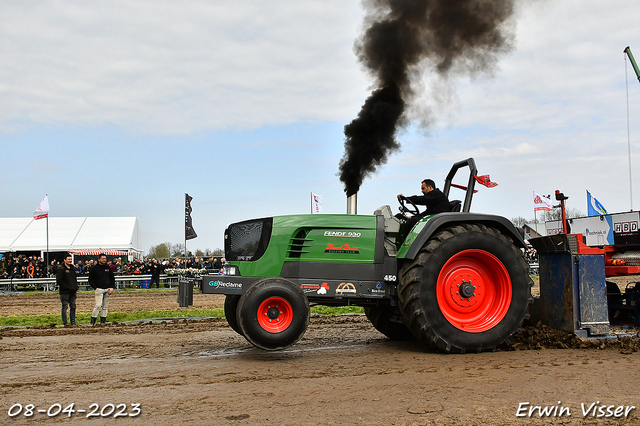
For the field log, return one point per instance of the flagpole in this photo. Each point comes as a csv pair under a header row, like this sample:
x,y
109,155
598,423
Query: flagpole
x,y
47,264
626,80
535,212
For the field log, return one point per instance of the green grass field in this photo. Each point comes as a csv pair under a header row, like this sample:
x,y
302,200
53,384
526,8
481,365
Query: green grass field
x,y
85,317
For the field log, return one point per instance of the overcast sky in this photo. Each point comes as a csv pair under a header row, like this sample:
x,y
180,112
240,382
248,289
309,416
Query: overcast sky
x,y
118,108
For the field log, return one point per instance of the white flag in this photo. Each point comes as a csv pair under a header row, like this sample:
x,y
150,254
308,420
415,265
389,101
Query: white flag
x,y
43,209
316,203
541,203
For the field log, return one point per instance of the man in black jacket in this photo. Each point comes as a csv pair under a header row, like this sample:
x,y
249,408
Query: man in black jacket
x,y
431,197
101,278
156,270
67,287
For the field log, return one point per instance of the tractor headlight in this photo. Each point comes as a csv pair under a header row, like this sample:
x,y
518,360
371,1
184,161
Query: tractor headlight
x,y
231,270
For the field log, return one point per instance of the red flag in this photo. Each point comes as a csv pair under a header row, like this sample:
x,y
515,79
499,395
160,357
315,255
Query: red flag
x,y
43,209
486,181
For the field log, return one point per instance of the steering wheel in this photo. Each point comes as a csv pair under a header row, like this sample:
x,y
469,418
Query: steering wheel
x,y
411,209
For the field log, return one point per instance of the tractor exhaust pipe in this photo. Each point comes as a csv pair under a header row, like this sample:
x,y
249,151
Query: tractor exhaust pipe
x,y
352,204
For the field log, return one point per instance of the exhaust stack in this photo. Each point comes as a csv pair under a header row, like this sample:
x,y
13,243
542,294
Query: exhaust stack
x,y
352,204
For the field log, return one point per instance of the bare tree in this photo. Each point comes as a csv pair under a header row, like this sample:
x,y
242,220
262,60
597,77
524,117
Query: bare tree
x,y
177,250
167,250
557,214
519,221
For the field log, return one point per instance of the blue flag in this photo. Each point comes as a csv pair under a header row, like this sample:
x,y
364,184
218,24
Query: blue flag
x,y
594,208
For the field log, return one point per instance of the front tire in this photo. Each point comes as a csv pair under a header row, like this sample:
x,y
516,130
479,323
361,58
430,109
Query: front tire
x,y
273,314
468,289
388,320
231,310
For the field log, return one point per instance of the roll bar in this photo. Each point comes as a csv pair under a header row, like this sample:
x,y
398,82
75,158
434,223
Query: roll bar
x,y
473,171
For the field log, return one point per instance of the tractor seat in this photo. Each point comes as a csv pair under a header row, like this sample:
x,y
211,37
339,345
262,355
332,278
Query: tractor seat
x,y
456,205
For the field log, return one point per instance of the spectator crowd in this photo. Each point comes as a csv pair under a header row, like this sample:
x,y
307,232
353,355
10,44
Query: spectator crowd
x,y
531,255
22,266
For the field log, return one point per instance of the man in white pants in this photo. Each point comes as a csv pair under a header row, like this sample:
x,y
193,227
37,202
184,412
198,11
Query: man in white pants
x,y
101,278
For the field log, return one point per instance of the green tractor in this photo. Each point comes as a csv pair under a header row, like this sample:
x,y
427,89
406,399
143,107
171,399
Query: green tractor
x,y
456,282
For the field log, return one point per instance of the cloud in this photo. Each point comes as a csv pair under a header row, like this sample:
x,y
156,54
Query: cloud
x,y
164,67
282,144
45,167
109,77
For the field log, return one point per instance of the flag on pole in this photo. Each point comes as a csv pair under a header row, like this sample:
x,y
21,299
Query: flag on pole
x,y
486,181
594,208
189,233
42,211
541,203
316,203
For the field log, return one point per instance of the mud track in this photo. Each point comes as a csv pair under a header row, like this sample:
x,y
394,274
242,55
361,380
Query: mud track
x,y
47,303
342,372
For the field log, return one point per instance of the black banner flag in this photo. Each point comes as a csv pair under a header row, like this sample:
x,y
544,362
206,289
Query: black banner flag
x,y
189,233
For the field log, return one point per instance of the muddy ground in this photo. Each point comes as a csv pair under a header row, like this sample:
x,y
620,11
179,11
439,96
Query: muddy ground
x,y
46,303
342,372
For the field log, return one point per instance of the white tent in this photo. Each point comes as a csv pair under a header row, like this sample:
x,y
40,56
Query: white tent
x,y
10,230
70,233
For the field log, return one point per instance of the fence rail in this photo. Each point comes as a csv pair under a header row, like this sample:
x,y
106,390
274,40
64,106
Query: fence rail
x,y
122,281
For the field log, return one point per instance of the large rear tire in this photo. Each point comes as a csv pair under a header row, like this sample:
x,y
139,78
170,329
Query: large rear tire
x,y
468,289
273,314
231,310
388,320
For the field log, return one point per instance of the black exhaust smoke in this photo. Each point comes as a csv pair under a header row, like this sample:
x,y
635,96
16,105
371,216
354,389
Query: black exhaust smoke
x,y
405,35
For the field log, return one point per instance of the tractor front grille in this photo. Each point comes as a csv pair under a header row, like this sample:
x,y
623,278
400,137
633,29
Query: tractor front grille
x,y
247,240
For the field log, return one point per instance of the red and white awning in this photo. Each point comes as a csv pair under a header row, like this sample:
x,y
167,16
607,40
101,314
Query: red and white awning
x,y
96,252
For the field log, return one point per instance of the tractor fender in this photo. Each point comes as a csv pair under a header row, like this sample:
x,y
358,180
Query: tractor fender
x,y
420,234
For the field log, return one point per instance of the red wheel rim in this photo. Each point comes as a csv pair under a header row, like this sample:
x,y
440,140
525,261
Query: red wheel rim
x,y
474,291
275,314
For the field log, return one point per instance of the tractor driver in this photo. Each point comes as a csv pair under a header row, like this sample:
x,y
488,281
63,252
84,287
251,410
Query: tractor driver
x,y
431,197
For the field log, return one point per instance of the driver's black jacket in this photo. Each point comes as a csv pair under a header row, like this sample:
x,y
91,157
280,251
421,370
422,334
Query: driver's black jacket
x,y
435,201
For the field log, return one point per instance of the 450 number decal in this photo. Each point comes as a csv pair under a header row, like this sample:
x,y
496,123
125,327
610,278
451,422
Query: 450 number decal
x,y
391,278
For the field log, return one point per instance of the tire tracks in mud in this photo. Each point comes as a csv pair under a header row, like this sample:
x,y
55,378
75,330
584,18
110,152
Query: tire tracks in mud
x,y
342,372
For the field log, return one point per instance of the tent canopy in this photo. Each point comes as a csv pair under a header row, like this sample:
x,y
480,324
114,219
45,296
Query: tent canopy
x,y
70,233
94,252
